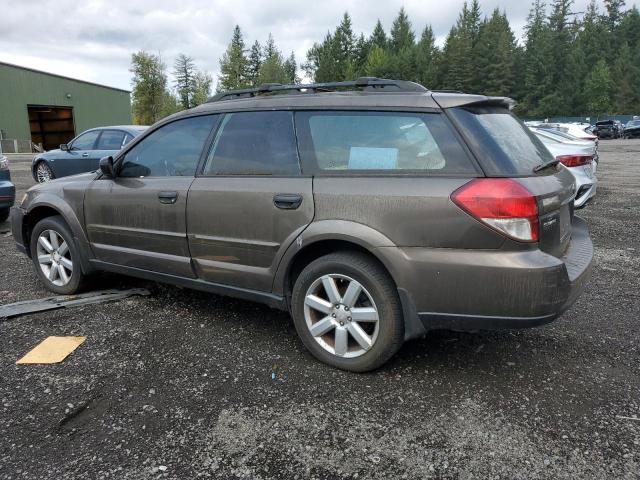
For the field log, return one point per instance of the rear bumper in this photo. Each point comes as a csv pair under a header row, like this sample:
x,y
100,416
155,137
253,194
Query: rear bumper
x,y
7,194
470,290
586,184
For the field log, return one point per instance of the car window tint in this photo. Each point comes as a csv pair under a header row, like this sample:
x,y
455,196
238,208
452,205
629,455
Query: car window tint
x,y
373,141
254,143
86,141
172,150
503,144
111,140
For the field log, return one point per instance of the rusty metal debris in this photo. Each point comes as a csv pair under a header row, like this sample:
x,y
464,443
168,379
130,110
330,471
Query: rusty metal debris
x,y
64,301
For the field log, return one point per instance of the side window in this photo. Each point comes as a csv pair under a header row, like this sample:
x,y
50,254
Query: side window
x,y
254,143
380,141
86,141
111,140
172,150
127,139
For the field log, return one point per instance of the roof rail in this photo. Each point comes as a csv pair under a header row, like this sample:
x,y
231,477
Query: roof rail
x,y
365,83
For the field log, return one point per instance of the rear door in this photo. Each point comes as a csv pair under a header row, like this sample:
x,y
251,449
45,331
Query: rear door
x,y
138,219
250,202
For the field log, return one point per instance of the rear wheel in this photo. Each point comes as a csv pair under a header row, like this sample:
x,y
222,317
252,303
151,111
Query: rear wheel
x,y
4,214
347,312
55,256
44,172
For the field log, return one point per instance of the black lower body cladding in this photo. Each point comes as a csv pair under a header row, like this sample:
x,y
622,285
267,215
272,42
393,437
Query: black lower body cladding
x,y
482,289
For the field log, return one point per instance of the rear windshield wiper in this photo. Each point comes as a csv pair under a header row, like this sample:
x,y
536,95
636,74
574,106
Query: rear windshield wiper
x,y
542,166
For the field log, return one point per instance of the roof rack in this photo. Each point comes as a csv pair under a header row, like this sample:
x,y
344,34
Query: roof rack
x,y
365,83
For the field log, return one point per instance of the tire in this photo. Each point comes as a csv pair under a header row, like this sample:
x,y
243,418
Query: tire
x,y
68,277
4,214
377,298
43,172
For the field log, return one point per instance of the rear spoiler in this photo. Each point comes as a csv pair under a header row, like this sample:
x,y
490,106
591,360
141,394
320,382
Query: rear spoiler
x,y
449,100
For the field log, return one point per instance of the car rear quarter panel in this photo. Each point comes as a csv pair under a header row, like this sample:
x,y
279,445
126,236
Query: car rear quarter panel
x,y
410,211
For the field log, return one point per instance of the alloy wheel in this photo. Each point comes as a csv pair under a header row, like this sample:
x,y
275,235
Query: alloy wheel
x,y
43,173
341,315
54,257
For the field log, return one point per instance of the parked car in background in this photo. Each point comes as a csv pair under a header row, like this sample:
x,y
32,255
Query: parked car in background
x,y
567,138
632,129
578,158
609,129
7,189
571,128
83,153
419,211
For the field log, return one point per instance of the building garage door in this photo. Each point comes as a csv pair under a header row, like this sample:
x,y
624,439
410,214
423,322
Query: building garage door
x,y
51,126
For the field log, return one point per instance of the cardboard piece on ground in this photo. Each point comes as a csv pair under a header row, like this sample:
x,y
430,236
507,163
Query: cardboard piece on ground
x,y
52,350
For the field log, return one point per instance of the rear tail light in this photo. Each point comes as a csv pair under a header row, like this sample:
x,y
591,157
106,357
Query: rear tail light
x,y
574,160
501,203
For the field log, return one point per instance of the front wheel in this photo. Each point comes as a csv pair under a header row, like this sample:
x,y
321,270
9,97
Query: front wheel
x,y
347,312
55,256
44,172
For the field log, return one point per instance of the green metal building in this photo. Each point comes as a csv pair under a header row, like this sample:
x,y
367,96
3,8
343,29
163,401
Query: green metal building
x,y
50,109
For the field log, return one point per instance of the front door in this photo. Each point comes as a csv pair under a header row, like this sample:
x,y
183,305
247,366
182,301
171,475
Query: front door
x,y
138,219
251,201
81,156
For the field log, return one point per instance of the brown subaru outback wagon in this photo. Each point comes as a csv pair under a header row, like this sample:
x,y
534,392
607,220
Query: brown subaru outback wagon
x,y
372,211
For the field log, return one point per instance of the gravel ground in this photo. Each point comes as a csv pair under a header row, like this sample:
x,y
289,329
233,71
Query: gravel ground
x,y
180,384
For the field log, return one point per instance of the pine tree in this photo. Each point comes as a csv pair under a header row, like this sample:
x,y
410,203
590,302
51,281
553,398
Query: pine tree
x,y
254,63
597,90
273,69
626,72
202,88
149,88
234,64
495,56
457,56
378,36
377,63
402,36
426,59
184,71
290,67
614,13
361,52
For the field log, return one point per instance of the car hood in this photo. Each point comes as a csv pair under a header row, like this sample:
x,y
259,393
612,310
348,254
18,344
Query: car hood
x,y
59,184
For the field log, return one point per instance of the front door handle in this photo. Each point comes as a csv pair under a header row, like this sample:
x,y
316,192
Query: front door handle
x,y
168,197
287,201
85,154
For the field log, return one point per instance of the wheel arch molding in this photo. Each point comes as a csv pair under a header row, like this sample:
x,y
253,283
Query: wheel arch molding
x,y
50,205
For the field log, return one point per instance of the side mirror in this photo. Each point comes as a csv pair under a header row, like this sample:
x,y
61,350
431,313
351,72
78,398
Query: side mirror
x,y
106,166
64,147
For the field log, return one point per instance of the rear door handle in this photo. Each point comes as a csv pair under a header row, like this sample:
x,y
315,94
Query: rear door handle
x,y
168,197
85,154
287,201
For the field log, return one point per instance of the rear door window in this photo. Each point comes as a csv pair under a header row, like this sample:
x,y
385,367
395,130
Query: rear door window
x,y
503,144
254,143
111,140
336,141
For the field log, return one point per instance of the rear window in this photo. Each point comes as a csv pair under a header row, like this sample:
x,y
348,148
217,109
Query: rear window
x,y
503,144
361,142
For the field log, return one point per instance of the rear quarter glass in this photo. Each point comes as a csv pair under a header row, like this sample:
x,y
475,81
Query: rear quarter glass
x,y
374,142
503,145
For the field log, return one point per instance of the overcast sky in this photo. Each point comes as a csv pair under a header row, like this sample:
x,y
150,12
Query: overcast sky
x,y
93,39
